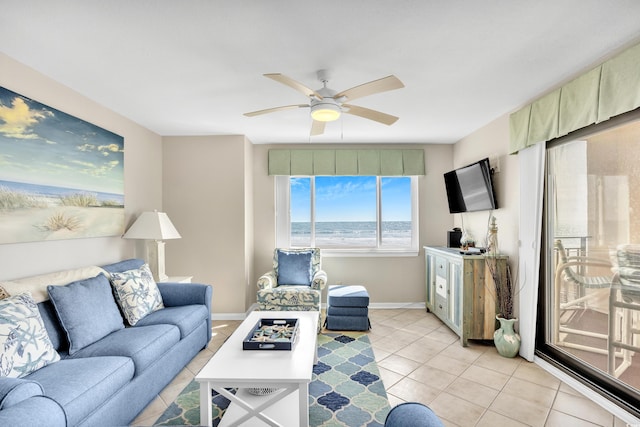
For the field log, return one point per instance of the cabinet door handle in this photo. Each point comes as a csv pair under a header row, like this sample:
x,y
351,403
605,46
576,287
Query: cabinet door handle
x,y
440,306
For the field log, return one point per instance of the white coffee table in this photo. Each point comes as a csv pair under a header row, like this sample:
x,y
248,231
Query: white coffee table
x,y
289,371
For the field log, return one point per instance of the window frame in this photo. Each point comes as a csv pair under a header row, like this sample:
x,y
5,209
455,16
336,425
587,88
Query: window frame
x,y
283,220
619,394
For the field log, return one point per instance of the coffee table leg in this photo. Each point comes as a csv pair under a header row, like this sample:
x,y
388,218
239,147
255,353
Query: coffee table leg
x,y
303,394
205,404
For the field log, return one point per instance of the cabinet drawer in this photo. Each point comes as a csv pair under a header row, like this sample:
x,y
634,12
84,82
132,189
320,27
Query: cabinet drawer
x,y
441,286
441,268
440,307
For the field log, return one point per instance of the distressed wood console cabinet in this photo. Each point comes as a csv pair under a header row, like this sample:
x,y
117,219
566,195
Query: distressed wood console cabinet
x,y
460,291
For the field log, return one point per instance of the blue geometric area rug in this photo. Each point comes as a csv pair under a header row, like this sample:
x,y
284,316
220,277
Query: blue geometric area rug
x,y
346,389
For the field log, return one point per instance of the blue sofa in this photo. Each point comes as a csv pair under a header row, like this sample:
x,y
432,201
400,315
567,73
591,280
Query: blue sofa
x,y
109,382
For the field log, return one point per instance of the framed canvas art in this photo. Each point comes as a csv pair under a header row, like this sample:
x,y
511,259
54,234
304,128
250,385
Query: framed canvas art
x,y
60,177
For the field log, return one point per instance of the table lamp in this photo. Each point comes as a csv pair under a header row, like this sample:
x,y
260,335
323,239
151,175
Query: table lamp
x,y
153,226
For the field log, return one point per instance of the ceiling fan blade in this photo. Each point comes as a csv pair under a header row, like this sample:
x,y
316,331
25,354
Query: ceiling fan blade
x,y
294,84
317,127
272,110
376,86
366,113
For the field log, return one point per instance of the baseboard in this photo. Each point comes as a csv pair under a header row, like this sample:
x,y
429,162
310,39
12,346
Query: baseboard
x,y
587,392
397,305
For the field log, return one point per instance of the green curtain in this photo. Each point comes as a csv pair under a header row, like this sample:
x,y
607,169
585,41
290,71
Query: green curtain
x,y
391,162
610,89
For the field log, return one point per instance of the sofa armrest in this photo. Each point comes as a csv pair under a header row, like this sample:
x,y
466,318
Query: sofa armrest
x,y
34,411
268,280
15,390
177,294
319,280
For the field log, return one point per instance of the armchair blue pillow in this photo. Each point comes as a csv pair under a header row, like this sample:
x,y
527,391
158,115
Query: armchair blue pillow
x,y
294,268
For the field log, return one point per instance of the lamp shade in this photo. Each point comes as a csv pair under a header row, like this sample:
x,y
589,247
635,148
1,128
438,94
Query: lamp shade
x,y
152,226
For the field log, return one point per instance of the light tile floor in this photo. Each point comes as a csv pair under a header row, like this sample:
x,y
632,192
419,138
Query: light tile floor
x,y
422,360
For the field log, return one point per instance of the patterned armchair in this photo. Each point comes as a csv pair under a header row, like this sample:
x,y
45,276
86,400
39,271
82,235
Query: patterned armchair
x,y
295,283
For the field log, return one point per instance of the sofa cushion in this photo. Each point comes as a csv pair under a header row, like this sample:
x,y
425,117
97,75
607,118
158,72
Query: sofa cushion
x,y
24,341
82,385
143,344
56,332
87,310
294,267
136,293
127,264
37,285
289,298
186,317
348,296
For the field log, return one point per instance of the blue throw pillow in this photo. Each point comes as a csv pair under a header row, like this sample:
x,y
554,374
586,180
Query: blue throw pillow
x,y
294,268
87,310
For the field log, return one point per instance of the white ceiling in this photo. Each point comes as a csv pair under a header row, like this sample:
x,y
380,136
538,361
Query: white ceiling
x,y
193,67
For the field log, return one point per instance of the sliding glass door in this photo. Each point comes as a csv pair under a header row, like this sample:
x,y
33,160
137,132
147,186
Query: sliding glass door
x,y
592,266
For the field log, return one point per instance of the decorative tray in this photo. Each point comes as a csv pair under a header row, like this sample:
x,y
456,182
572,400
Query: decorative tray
x,y
272,334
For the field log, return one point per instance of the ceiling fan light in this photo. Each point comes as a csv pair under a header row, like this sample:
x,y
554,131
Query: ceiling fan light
x,y
325,112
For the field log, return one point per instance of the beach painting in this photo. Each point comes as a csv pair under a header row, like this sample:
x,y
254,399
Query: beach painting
x,y
60,177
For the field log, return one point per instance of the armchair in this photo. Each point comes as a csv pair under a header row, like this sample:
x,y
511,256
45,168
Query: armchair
x,y
575,287
624,310
295,283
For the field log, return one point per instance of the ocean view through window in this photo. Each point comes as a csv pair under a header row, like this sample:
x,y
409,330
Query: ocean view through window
x,y
365,213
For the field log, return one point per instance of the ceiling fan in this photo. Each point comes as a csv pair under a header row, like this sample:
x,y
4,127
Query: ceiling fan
x,y
327,105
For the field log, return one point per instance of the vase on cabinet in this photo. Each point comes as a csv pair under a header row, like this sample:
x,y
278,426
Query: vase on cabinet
x,y
506,339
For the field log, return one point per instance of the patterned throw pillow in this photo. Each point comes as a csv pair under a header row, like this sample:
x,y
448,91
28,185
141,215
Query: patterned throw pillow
x,y
136,293
3,293
24,341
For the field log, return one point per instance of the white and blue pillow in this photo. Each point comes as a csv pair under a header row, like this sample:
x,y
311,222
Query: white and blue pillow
x,y
137,293
24,341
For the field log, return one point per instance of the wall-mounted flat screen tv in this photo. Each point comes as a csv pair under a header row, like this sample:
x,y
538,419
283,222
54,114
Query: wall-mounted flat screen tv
x,y
470,188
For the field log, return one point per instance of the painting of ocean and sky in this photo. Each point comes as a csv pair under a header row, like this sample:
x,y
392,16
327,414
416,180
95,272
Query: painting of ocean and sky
x,y
60,177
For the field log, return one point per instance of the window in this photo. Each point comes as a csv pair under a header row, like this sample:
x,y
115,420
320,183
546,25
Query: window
x,y
591,298
359,214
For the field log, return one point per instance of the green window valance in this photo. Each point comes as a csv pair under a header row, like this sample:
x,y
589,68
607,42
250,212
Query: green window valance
x,y
346,162
610,89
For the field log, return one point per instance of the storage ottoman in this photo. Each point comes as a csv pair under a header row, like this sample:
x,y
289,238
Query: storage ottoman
x,y
348,308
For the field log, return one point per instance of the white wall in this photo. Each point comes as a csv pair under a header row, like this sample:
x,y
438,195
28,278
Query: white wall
x,y
388,279
143,174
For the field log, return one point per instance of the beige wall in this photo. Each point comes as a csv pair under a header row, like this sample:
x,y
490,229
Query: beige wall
x,y
388,279
492,141
217,192
249,276
205,194
143,173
